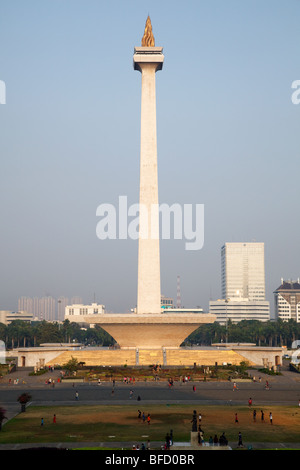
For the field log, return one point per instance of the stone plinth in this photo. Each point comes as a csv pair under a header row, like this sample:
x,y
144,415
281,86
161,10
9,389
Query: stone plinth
x,y
194,439
147,331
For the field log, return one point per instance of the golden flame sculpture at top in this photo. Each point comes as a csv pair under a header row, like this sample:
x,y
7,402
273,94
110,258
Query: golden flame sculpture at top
x,y
148,38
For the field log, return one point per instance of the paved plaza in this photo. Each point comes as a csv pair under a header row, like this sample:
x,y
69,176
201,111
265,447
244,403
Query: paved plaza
x,y
284,390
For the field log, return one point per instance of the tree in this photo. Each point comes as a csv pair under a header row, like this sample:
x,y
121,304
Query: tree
x,y
48,333
2,416
66,331
71,366
23,399
3,332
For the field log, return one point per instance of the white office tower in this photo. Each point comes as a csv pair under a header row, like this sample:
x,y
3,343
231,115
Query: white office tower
x,y
243,271
243,284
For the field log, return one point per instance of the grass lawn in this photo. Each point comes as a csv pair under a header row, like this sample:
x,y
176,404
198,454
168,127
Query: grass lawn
x,y
120,423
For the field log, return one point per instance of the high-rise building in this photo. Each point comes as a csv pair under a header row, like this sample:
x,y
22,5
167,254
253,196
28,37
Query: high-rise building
x,y
42,308
242,283
287,301
25,304
47,308
243,271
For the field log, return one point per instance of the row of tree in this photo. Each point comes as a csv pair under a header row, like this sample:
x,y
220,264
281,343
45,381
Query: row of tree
x,y
22,334
271,333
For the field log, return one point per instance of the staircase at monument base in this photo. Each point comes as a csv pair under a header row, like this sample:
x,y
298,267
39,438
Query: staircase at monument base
x,y
146,357
203,357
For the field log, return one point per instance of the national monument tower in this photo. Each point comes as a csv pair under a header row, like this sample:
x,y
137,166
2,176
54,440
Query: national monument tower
x,y
148,59
149,327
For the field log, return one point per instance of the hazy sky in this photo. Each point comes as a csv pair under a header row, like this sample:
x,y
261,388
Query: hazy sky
x,y
228,138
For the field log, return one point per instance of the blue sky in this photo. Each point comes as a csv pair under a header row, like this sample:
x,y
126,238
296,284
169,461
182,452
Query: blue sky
x,y
228,138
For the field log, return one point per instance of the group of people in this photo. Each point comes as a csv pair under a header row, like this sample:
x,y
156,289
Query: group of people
x,y
143,447
50,381
168,440
216,441
129,380
262,416
143,417
267,385
54,420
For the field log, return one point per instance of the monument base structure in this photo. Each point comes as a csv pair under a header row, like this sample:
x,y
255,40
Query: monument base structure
x,y
147,331
148,328
57,354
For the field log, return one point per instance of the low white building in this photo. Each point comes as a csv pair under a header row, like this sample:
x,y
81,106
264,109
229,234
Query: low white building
x,y
80,309
287,301
239,309
6,316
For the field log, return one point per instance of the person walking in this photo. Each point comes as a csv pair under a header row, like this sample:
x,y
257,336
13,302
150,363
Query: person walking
x,y
262,415
236,419
54,419
250,402
271,418
76,396
240,441
254,415
148,418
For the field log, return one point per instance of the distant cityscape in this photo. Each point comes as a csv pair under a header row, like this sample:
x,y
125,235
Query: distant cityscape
x,y
242,288
46,308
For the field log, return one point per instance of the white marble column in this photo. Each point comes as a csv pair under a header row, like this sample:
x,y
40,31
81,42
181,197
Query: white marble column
x,y
148,60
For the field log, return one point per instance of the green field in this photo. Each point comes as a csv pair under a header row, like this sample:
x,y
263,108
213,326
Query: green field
x,y
121,424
